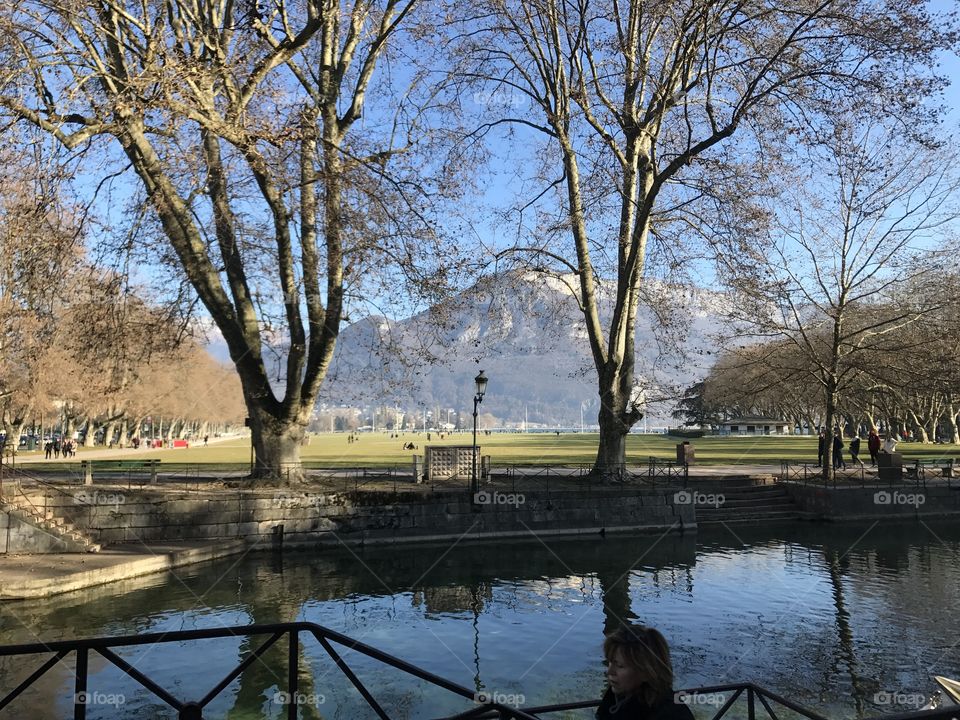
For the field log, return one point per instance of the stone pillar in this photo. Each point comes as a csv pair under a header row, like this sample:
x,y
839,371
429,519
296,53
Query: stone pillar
x,y
418,469
87,467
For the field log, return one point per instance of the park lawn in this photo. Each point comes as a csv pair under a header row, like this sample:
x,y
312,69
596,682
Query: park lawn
x,y
379,449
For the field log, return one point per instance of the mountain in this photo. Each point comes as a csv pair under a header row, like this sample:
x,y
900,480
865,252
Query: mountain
x,y
526,333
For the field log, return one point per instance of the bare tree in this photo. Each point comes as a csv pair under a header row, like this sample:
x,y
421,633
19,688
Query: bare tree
x,y
845,266
40,256
636,102
242,122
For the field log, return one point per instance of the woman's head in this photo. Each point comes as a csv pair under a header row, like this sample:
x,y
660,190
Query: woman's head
x,y
638,663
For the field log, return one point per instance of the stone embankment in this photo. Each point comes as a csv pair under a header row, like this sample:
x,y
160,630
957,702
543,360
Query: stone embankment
x,y
112,515
160,527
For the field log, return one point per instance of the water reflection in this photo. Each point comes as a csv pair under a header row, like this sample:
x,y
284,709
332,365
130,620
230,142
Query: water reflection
x,y
831,616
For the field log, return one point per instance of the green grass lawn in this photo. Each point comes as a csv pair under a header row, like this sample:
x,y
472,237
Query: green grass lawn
x,y
333,449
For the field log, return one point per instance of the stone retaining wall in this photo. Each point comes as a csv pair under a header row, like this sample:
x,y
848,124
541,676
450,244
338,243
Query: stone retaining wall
x,y
117,515
875,503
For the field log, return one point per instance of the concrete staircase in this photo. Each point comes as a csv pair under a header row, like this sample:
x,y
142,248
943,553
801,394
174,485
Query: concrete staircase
x,y
746,504
62,535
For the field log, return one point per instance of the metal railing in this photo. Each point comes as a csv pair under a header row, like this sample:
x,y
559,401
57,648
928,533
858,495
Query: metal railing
x,y
759,701
914,475
346,479
670,469
193,709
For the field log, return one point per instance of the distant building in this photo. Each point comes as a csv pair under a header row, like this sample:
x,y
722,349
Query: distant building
x,y
756,426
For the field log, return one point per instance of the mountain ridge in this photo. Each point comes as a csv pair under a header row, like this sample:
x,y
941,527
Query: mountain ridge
x,y
526,332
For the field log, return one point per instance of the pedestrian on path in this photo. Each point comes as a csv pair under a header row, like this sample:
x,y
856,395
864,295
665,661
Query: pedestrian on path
x,y
855,450
821,447
838,461
873,445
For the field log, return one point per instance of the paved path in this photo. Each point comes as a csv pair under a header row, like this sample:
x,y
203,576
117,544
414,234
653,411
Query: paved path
x,y
32,576
102,453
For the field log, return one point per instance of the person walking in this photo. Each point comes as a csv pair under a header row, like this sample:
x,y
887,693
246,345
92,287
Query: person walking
x,y
873,445
855,451
821,448
838,461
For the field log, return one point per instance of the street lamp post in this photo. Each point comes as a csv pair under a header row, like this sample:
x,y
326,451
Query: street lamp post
x,y
481,383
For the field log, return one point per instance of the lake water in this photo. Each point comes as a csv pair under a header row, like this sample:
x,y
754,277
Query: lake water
x,y
851,621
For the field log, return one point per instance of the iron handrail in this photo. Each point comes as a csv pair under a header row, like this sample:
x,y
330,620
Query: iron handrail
x,y
807,473
193,710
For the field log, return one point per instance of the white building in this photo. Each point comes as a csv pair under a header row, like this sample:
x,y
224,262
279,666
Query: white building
x,y
752,425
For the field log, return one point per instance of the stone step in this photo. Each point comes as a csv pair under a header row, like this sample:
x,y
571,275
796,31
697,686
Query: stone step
x,y
754,503
50,523
743,490
750,517
753,507
749,501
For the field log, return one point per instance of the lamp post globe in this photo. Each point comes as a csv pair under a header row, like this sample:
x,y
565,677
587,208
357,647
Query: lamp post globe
x,y
480,382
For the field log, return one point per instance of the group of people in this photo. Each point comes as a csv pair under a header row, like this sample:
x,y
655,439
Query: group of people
x,y
874,445
53,448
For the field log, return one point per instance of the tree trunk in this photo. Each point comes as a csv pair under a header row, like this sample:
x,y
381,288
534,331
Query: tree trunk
x,y
108,432
615,418
918,428
137,427
952,424
122,440
276,445
89,440
932,427
610,464
829,422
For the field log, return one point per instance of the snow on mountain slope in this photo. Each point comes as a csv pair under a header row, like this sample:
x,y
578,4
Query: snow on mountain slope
x,y
526,333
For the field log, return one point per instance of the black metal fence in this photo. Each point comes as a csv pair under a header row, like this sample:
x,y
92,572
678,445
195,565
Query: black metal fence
x,y
345,479
916,474
76,654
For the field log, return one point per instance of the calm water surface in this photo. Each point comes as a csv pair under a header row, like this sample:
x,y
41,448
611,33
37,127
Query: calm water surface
x,y
841,619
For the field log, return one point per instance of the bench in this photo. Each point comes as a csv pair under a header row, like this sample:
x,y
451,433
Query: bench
x,y
944,465
89,467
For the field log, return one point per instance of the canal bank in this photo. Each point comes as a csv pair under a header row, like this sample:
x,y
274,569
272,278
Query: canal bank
x,y
136,527
25,577
147,530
